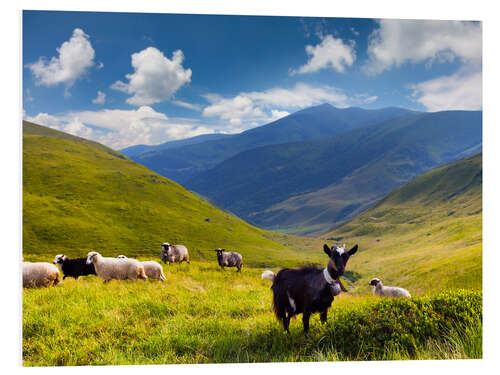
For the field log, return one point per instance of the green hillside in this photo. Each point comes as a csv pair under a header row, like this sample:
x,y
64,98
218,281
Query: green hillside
x,y
80,196
425,235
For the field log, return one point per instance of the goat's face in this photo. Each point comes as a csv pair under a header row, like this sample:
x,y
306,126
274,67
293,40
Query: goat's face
x,y
59,259
91,257
374,282
338,258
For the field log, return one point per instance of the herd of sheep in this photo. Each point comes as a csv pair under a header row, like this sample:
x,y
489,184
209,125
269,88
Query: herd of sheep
x,y
44,274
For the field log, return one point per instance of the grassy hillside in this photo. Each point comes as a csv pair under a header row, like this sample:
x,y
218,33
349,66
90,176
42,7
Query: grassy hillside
x,y
310,123
204,315
80,196
426,235
306,187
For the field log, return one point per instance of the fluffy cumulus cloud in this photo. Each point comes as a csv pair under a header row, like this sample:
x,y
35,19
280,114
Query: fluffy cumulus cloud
x,y
396,42
155,78
462,90
264,106
123,128
100,99
330,53
76,56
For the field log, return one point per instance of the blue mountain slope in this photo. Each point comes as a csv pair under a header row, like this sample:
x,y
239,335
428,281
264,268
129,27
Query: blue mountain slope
x,y
312,185
311,123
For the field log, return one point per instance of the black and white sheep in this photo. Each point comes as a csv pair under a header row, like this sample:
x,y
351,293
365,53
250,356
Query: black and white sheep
x,y
153,269
229,259
40,274
74,267
118,269
387,291
174,253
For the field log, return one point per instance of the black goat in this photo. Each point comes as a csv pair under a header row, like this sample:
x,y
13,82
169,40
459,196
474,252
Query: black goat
x,y
74,267
308,289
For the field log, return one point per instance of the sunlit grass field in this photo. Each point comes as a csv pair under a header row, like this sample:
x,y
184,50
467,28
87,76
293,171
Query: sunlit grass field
x,y
204,315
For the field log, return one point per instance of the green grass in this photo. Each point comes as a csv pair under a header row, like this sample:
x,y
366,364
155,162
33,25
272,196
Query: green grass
x,y
205,315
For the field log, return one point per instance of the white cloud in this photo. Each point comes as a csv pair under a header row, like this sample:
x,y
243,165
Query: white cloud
x,y
155,78
396,42
123,128
331,52
370,99
100,99
194,107
462,90
76,56
258,106
277,114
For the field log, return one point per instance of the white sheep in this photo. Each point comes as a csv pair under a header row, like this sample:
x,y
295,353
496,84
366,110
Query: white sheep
x,y
387,291
118,269
40,274
153,269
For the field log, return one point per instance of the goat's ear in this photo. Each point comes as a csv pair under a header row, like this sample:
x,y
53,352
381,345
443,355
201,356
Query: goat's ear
x,y
327,250
353,250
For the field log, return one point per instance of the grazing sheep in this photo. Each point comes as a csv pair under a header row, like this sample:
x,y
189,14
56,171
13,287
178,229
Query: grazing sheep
x,y
308,289
118,269
153,269
40,274
387,291
174,253
229,259
74,267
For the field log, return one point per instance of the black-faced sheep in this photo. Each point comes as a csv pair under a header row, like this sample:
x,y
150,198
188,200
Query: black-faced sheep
x,y
74,267
40,274
118,269
387,291
153,269
174,253
229,259
308,289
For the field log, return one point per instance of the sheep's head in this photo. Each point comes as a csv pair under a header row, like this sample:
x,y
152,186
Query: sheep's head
x,y
338,259
219,252
92,256
374,282
164,251
59,259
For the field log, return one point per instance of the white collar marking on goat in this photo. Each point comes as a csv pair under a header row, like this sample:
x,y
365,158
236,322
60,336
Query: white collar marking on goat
x,y
327,276
292,302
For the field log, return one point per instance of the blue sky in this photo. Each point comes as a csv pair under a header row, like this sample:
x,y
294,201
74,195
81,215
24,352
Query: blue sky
x,y
137,78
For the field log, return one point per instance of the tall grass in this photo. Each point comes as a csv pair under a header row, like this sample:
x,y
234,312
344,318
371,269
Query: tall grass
x,y
205,315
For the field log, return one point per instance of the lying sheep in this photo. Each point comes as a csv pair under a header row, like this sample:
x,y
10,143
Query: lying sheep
x,y
153,269
229,259
118,269
40,274
174,253
387,291
74,267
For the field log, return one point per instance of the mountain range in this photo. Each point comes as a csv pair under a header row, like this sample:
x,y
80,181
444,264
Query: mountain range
x,y
318,167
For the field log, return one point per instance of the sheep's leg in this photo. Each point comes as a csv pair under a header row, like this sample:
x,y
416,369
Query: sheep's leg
x,y
323,316
305,320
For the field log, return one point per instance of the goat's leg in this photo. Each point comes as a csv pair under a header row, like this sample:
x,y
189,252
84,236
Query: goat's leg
x,y
323,316
286,322
305,320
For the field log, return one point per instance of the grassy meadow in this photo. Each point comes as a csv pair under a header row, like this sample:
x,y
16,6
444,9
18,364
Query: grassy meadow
x,y
204,315
80,196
